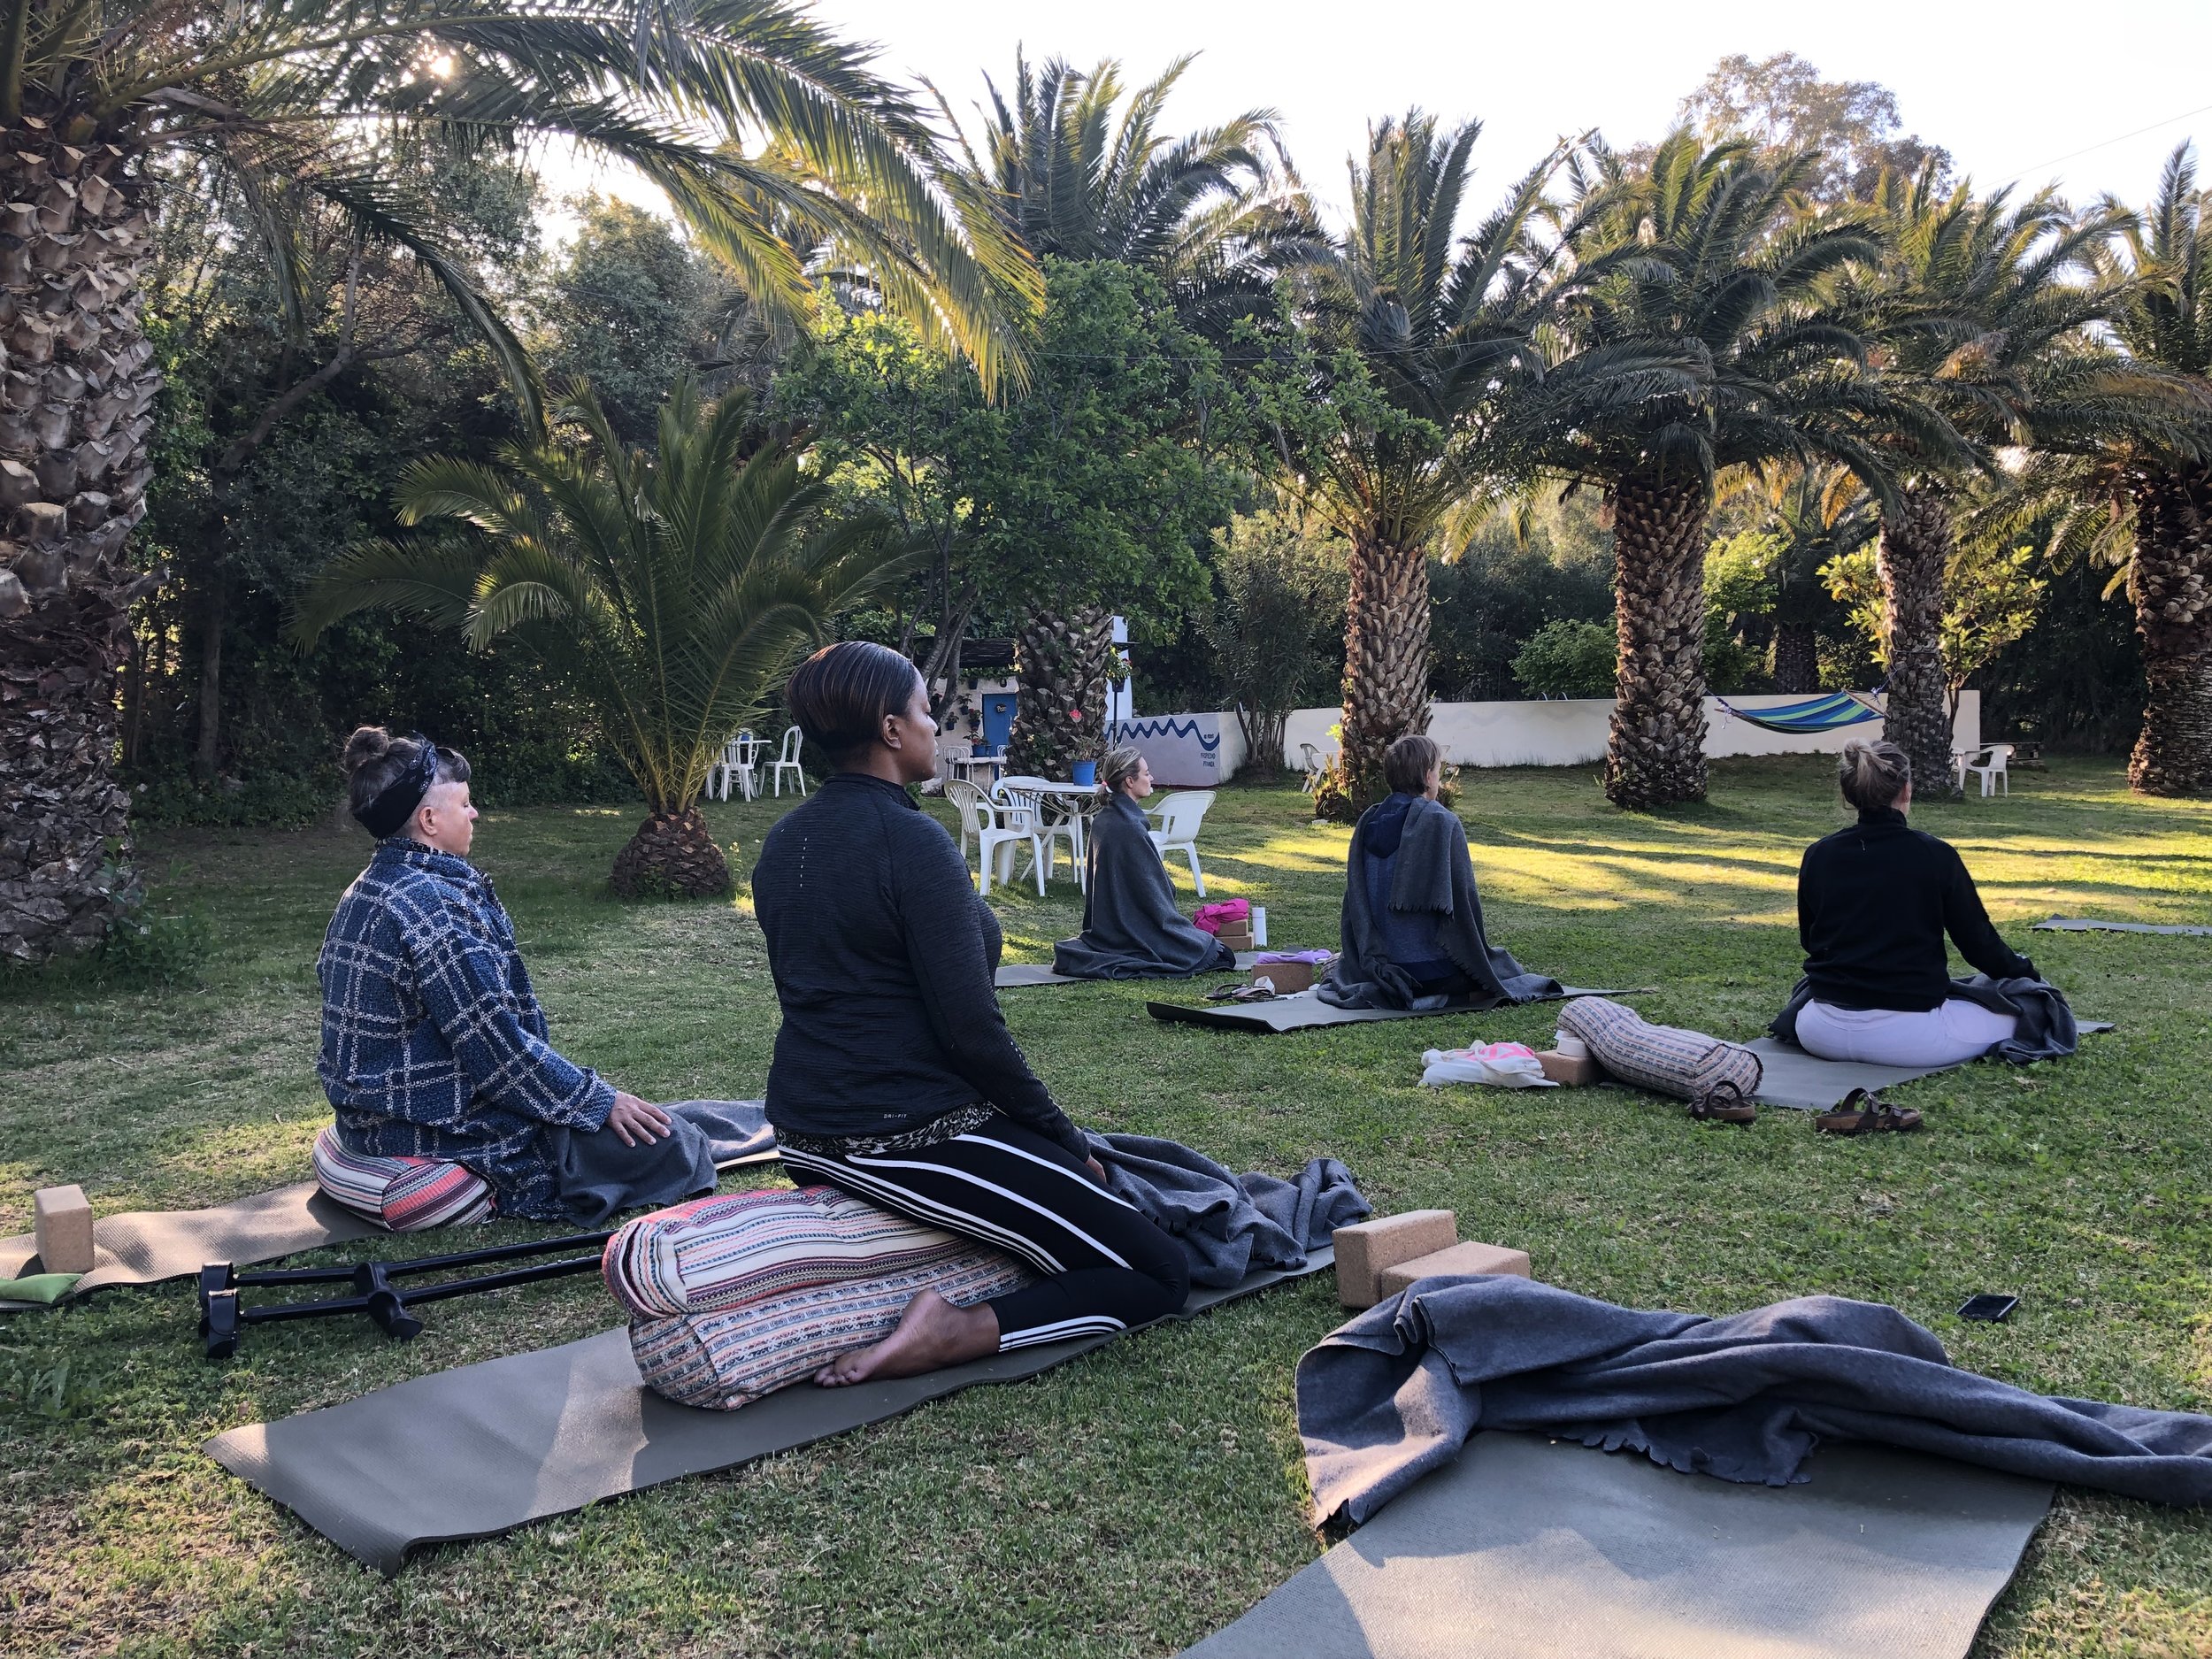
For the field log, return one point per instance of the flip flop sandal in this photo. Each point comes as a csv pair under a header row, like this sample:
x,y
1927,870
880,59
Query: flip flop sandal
x,y
1863,1112
1263,991
1725,1105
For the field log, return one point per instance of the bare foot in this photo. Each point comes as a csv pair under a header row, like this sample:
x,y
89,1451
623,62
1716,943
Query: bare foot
x,y
932,1334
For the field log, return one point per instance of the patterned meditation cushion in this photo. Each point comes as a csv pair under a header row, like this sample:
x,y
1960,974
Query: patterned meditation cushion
x,y
715,1254
722,1361
1662,1058
404,1194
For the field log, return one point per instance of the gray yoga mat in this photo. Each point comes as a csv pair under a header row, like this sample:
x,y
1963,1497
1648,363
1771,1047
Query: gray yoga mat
x,y
2080,924
143,1247
1790,1077
1528,1548
1305,1012
1020,974
146,1247
482,1449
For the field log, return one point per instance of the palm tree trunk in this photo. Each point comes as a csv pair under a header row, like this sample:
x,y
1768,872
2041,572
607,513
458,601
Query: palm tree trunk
x,y
672,856
1063,662
1385,669
1916,550
75,407
1796,657
2169,582
1657,752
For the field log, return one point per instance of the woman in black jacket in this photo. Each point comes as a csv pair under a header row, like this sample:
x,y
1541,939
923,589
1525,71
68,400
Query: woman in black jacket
x,y
894,1078
1874,901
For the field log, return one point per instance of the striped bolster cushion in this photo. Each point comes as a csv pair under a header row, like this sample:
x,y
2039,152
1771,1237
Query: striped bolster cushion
x,y
1662,1058
715,1254
722,1361
404,1194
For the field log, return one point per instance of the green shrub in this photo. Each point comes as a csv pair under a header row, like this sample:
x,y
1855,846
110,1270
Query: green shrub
x,y
1568,659
156,947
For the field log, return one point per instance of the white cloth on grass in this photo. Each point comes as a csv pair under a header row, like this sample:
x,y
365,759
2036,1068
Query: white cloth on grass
x,y
1956,1032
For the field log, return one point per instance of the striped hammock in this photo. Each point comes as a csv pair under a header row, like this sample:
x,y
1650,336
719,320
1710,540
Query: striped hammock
x,y
1820,714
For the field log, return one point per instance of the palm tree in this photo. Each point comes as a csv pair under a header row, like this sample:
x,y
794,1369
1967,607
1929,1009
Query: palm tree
x,y
1435,370
671,589
1711,253
2166,323
1077,172
1982,308
1816,514
770,136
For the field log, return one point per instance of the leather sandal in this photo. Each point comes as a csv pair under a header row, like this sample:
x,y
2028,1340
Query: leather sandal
x,y
1725,1105
1863,1112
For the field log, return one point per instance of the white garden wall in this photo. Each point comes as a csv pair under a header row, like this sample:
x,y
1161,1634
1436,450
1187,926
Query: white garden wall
x,y
1571,732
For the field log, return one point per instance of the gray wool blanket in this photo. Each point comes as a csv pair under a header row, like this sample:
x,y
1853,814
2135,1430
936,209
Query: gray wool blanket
x,y
1131,928
1397,1392
1431,888
2047,1030
1230,1225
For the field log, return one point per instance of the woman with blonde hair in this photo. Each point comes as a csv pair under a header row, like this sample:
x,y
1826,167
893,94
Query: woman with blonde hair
x,y
1875,902
1132,929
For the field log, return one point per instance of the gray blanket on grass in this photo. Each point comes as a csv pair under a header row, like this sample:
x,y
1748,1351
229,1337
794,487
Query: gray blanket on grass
x,y
1131,928
1396,1393
1230,1225
2045,1031
1434,882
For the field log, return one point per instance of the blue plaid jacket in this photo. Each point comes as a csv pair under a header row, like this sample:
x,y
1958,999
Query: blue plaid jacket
x,y
433,1043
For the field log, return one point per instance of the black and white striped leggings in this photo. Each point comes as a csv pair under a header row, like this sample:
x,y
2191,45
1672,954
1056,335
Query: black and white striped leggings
x,y
1104,1266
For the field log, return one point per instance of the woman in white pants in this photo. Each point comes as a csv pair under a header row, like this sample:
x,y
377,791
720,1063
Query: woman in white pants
x,y
1874,903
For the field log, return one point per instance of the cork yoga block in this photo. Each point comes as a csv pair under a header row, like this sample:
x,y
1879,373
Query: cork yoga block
x,y
62,1229
1459,1258
1363,1251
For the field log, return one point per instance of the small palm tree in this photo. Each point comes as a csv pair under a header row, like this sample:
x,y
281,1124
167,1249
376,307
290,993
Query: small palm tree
x,y
771,137
1078,167
671,589
2166,479
1711,253
1815,515
1438,371
1983,309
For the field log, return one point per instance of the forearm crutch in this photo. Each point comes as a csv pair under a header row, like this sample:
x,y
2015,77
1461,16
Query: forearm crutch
x,y
223,1317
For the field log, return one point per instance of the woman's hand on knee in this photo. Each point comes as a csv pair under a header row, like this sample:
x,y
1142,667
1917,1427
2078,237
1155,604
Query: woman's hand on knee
x,y
634,1120
1097,1169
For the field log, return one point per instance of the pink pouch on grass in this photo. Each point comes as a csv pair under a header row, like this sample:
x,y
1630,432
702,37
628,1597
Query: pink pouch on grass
x,y
1210,917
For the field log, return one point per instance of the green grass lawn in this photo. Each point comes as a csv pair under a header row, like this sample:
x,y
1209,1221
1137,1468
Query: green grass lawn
x,y
1134,1499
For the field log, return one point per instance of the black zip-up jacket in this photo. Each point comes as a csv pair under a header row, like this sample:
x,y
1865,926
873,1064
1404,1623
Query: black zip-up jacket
x,y
1874,901
883,957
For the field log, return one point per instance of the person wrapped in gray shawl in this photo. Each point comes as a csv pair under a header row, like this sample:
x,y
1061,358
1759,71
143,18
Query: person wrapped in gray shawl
x,y
1397,1392
1412,925
1131,928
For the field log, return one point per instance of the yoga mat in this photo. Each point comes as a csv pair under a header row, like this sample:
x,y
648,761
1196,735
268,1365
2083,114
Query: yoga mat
x,y
1528,1548
1790,1077
1020,974
1305,1012
144,1247
2080,925
482,1449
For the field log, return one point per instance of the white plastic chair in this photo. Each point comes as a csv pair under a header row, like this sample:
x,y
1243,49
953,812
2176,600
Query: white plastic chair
x,y
737,761
1314,767
1054,819
980,820
1180,814
787,760
1988,763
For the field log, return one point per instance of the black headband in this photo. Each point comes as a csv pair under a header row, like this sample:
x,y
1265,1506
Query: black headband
x,y
396,802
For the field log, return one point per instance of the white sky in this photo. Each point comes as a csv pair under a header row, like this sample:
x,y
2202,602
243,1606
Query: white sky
x,y
2008,89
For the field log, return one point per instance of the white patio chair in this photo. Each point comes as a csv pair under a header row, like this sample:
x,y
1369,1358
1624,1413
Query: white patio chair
x,y
1054,819
737,761
1986,763
1314,767
995,836
787,760
1180,814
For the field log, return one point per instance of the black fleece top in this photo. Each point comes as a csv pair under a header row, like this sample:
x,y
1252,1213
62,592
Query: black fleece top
x,y
883,957
1874,901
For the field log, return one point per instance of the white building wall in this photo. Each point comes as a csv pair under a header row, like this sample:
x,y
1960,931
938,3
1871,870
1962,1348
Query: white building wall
x,y
1571,732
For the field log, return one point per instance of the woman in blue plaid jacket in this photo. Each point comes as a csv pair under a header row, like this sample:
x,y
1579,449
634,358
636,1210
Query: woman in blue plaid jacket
x,y
433,1045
